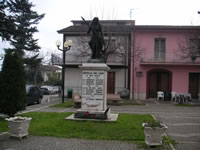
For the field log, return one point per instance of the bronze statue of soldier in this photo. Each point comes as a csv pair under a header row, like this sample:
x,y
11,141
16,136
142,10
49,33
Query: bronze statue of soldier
x,y
97,40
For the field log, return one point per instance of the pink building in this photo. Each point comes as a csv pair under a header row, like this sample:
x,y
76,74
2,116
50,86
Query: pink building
x,y
165,58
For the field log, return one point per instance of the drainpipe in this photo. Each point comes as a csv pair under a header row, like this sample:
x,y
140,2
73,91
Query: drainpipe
x,y
132,62
131,70
138,97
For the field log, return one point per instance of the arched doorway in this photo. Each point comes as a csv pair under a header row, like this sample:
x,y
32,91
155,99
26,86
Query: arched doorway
x,y
158,80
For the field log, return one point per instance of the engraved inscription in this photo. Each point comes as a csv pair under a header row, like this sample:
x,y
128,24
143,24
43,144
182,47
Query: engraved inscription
x,y
93,85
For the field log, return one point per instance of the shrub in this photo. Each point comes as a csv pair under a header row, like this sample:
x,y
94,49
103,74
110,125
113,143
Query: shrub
x,y
152,124
12,84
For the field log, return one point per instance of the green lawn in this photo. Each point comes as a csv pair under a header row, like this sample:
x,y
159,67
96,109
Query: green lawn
x,y
3,125
126,128
184,105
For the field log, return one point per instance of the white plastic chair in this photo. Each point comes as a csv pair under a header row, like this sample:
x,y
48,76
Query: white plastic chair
x,y
187,96
173,96
178,97
160,95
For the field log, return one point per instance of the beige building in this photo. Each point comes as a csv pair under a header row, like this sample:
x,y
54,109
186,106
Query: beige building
x,y
117,37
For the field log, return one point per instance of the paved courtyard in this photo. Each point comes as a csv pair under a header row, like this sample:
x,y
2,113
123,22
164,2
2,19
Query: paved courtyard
x,y
183,122
183,126
53,143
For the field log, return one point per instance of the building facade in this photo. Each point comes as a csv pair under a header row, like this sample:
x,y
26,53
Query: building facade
x,y
169,61
117,37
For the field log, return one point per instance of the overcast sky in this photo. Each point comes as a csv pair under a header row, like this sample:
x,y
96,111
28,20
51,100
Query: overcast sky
x,y
59,14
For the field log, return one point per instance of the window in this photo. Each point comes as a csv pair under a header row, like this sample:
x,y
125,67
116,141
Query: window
x,y
160,49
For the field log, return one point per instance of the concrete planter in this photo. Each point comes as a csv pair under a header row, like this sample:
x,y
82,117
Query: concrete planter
x,y
154,135
18,126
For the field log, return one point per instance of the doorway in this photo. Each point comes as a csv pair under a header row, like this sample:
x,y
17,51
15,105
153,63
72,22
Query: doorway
x,y
111,83
194,79
158,80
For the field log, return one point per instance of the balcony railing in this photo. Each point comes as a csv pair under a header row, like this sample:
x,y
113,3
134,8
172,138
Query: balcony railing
x,y
170,59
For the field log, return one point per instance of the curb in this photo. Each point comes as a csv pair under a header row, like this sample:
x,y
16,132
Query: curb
x,y
3,133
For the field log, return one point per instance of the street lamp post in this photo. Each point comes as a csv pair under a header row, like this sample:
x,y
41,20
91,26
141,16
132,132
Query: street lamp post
x,y
1,56
66,47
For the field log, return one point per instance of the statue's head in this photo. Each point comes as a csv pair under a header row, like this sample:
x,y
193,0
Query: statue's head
x,y
95,20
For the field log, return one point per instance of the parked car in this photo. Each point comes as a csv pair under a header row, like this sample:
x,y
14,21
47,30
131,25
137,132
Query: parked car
x,y
50,88
56,89
45,91
33,94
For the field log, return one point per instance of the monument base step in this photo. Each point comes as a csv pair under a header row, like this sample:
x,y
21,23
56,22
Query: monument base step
x,y
91,114
111,117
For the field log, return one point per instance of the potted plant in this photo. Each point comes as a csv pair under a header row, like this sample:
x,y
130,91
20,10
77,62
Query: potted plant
x,y
13,94
18,126
154,132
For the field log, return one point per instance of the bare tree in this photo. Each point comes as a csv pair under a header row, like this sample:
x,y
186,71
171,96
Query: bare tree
x,y
113,49
82,51
189,48
138,51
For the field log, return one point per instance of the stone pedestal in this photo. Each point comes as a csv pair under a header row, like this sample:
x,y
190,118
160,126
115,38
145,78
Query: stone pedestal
x,y
94,92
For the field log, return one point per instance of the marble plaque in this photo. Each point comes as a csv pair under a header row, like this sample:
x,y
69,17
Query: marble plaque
x,y
93,89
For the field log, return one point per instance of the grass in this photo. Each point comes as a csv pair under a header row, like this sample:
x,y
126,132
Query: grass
x,y
184,105
167,140
66,104
3,125
127,128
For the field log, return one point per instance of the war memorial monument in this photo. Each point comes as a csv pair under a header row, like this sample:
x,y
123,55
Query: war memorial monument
x,y
94,80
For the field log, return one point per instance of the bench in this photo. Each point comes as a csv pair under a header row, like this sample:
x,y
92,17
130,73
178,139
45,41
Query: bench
x,y
114,98
77,100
